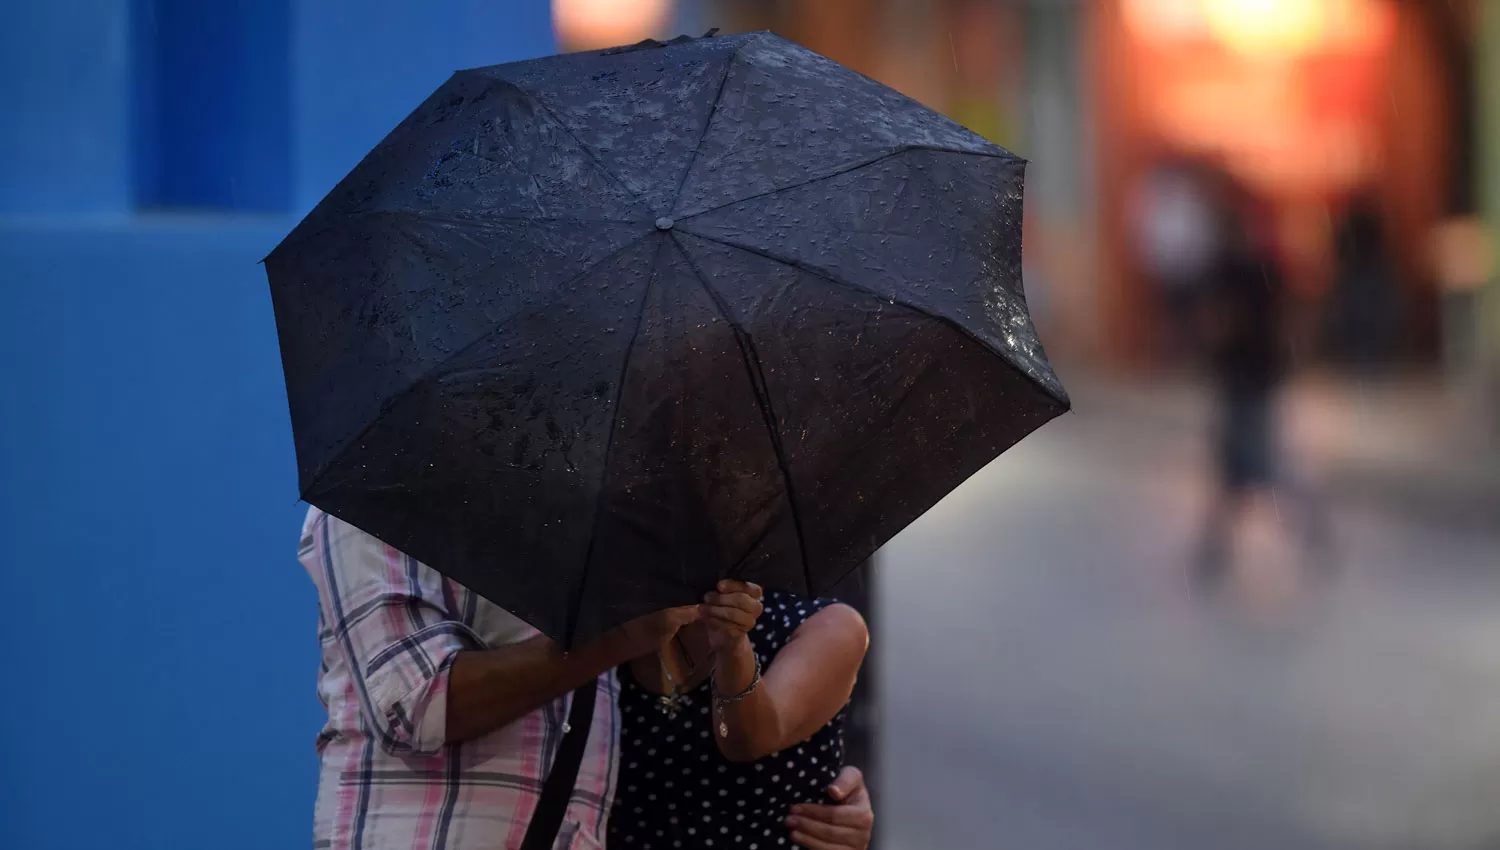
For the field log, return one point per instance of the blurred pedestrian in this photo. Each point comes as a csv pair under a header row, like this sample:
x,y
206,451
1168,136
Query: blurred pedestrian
x,y
1177,240
1247,345
1364,310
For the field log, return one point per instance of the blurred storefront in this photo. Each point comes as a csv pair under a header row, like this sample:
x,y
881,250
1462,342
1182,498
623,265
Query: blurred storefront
x,y
1011,71
1487,324
1316,106
1313,105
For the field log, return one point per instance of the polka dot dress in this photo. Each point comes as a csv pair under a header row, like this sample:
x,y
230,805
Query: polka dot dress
x,y
676,791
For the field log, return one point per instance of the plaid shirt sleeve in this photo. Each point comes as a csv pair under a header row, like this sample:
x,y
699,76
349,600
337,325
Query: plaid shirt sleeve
x,y
397,623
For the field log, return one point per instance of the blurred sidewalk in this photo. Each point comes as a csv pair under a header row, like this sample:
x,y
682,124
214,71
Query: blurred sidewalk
x,y
1050,681
1407,444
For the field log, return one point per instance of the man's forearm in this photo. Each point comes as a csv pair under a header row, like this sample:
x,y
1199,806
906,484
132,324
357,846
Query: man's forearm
x,y
491,688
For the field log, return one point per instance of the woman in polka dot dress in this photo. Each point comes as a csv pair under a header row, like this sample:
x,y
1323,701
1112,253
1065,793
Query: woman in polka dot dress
x,y
739,720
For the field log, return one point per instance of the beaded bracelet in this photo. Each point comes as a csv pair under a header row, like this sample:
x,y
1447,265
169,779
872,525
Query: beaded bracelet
x,y
720,701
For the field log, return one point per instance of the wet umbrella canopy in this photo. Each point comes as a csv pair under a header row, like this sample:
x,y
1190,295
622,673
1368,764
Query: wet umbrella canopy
x,y
590,332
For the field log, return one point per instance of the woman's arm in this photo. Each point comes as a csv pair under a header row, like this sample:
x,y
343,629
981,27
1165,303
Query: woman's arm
x,y
807,686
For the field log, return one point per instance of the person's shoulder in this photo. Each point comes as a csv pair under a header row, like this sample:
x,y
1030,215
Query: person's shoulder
x,y
836,628
308,541
326,537
834,614
318,518
319,522
314,514
795,612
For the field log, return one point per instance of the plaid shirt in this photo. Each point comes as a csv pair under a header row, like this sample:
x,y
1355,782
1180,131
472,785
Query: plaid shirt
x,y
389,629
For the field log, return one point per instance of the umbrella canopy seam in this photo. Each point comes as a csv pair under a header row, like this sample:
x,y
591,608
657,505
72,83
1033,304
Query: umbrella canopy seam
x,y
897,301
846,169
707,125
592,154
484,220
312,488
751,360
576,605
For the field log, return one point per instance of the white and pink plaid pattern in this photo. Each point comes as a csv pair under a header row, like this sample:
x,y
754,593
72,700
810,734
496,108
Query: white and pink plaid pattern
x,y
389,628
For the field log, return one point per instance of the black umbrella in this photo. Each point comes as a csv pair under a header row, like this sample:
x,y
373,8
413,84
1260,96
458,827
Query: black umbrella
x,y
590,332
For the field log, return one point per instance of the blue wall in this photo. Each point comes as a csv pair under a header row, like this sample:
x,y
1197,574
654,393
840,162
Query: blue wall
x,y
161,637
160,633
362,65
65,96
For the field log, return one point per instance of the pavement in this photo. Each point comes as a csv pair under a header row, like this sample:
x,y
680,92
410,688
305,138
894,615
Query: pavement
x,y
1049,679
1411,443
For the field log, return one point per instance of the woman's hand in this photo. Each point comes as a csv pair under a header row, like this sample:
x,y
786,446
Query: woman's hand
x,y
730,613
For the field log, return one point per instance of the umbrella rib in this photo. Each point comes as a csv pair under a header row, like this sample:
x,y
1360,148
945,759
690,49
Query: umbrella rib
x,y
841,171
486,221
592,154
802,267
751,359
609,442
437,367
707,125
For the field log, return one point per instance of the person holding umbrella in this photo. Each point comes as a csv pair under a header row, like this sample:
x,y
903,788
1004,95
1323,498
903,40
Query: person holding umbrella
x,y
739,721
584,337
444,712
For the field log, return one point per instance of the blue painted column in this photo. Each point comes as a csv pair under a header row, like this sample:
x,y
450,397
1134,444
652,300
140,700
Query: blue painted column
x,y
212,105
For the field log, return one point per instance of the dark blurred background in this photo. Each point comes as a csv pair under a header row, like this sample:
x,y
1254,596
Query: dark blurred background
x,y
1047,672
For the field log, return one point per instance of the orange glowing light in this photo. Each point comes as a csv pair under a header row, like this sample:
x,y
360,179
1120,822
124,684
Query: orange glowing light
x,y
1165,21
1268,26
589,24
1356,26
1265,27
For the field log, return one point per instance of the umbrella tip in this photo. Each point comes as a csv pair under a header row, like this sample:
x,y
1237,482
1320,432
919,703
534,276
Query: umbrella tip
x,y
665,223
